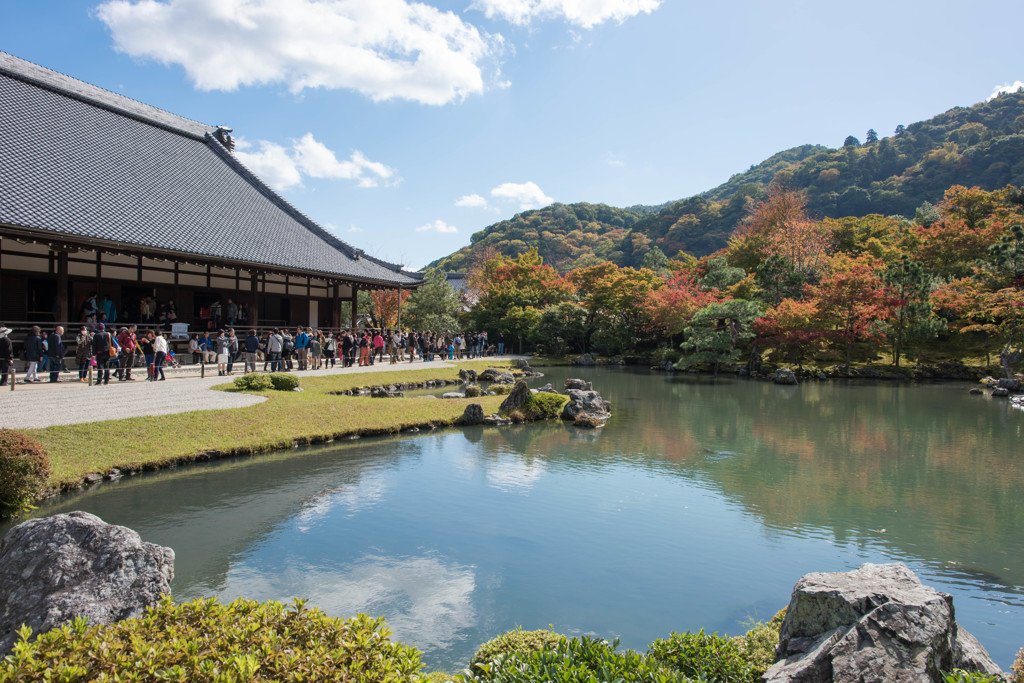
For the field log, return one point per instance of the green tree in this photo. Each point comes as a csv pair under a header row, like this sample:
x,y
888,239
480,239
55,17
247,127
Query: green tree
x,y
872,136
718,274
716,331
435,305
851,141
911,318
561,328
777,279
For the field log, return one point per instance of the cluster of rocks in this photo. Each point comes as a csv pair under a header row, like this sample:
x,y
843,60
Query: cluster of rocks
x,y
76,565
587,360
1004,387
585,407
395,390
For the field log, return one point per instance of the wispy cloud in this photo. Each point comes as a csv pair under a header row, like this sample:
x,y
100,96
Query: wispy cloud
x,y
283,168
612,160
585,13
1009,87
384,49
437,226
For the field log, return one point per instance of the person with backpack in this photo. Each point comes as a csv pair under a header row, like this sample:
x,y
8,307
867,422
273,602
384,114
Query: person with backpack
x,y
275,344
101,346
287,351
55,352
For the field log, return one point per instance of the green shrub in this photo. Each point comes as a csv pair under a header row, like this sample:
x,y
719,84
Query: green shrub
x,y
708,655
284,381
516,642
758,645
501,389
24,471
961,676
580,659
544,406
1018,667
254,381
204,641
473,390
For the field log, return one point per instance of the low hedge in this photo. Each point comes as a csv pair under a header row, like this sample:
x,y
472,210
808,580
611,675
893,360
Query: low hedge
x,y
284,381
254,381
204,641
515,642
24,472
544,406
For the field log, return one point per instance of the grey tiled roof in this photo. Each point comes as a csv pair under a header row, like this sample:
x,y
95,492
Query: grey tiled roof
x,y
84,162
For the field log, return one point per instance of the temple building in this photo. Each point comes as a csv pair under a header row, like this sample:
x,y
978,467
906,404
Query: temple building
x,y
100,194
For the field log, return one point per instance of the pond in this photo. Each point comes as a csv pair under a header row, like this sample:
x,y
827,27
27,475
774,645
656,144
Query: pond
x,y
699,505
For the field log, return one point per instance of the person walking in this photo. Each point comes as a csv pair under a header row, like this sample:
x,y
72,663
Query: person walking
x,y
232,349
83,353
129,348
159,355
222,352
148,354
301,347
55,351
274,346
6,354
101,346
330,348
252,345
32,352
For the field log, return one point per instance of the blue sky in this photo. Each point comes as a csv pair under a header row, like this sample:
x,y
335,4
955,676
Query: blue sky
x,y
407,126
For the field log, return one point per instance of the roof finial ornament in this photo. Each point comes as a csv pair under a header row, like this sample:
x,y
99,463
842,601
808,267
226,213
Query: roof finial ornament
x,y
223,135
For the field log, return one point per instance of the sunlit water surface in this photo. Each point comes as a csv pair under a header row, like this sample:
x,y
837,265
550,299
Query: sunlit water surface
x,y
699,505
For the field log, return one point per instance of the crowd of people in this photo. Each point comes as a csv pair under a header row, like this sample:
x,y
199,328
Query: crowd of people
x,y
117,354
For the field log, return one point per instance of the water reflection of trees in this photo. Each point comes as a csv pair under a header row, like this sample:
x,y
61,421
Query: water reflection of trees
x,y
927,471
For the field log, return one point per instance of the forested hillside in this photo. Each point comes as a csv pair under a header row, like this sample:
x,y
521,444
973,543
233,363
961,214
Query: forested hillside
x,y
979,146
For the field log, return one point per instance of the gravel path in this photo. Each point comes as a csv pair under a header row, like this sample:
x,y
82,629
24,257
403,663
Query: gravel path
x,y
32,406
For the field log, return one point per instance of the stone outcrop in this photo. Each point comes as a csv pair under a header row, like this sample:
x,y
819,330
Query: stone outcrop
x,y
453,394
516,400
497,376
61,567
522,364
586,408
473,415
572,383
876,623
467,376
547,389
785,376
585,360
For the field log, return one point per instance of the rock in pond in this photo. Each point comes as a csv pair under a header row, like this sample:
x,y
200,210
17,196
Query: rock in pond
x,y
586,408
547,389
453,394
876,623
573,383
516,400
785,376
584,360
57,568
473,415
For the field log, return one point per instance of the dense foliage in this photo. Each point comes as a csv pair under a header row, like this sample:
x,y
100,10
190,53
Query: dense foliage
x,y
204,640
517,641
254,381
24,471
283,381
788,289
979,146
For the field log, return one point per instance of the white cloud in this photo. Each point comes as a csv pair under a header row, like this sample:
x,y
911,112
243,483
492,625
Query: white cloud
x,y
1009,87
437,226
585,13
612,160
283,168
384,49
472,201
528,195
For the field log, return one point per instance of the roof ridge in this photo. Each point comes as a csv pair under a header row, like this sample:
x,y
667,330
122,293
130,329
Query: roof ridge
x,y
352,252
72,87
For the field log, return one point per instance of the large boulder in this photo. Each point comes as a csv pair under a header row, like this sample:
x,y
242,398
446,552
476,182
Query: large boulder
x,y
522,364
467,376
586,408
517,398
585,360
573,383
497,376
784,376
61,567
876,623
473,415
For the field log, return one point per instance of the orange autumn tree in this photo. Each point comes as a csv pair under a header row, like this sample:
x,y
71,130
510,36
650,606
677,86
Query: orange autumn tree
x,y
670,308
779,226
791,329
384,306
851,303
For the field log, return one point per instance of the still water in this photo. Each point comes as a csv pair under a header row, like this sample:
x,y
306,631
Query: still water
x,y
699,505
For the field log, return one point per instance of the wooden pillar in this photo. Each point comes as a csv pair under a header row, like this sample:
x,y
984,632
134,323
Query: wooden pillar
x,y
355,305
254,314
336,307
62,286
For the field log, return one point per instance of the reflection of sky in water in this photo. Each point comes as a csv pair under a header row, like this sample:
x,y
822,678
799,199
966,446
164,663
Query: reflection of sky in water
x,y
426,601
354,498
514,473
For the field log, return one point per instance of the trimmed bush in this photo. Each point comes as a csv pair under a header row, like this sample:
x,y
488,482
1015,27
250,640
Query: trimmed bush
x,y
254,381
204,641
544,406
758,644
706,655
579,659
24,471
283,381
1018,667
517,642
961,676
473,391
500,389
